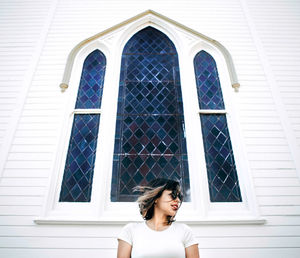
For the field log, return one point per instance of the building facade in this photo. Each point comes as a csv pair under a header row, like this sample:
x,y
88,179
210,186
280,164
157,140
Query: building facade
x,y
100,96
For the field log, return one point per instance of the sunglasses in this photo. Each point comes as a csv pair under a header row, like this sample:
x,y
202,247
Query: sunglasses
x,y
176,194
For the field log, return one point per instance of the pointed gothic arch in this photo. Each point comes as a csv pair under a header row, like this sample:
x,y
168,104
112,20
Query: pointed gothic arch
x,y
111,43
150,140
154,18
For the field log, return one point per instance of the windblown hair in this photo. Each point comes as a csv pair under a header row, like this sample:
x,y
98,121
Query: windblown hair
x,y
151,192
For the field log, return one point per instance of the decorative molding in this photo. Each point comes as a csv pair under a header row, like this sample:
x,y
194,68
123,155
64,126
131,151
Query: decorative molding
x,y
63,87
101,208
236,86
150,15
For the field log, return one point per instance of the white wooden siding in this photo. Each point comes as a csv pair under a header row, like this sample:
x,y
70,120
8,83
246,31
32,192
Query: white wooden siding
x,y
20,37
262,36
278,37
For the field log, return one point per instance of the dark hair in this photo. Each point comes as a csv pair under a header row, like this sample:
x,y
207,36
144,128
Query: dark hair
x,y
153,191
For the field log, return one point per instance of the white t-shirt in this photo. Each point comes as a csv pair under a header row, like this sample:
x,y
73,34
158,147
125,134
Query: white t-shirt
x,y
148,243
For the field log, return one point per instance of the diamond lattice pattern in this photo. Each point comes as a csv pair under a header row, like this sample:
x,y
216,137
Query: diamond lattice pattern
x,y
222,175
150,140
221,169
208,83
79,167
78,175
91,82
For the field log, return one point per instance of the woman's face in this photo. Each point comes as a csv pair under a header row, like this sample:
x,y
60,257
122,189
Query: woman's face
x,y
167,204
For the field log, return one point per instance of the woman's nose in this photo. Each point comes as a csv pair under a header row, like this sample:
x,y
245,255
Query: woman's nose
x,y
177,199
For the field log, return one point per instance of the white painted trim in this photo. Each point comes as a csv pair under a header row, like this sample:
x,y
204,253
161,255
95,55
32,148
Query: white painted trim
x,y
22,95
149,15
121,221
100,208
87,111
52,206
212,111
249,205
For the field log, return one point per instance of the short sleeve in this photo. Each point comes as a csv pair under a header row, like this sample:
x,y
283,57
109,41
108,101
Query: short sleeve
x,y
126,234
189,238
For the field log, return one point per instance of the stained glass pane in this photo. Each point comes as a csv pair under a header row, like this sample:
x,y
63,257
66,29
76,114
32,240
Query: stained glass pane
x,y
221,170
78,175
79,167
150,139
91,82
208,83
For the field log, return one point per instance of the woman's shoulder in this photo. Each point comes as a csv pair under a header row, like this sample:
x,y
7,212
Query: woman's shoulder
x,y
181,226
133,225
186,233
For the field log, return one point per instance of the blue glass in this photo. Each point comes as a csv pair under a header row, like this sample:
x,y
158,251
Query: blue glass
x,y
91,82
150,140
79,168
220,164
208,83
221,169
80,161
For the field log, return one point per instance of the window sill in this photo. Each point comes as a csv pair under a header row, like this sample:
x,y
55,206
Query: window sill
x,y
121,221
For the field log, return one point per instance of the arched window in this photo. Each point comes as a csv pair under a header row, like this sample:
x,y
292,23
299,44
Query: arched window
x,y
153,124
150,138
79,166
220,164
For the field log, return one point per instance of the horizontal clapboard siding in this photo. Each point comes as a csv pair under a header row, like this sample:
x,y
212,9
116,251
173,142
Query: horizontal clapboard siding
x,y
280,37
20,30
239,25
276,181
225,253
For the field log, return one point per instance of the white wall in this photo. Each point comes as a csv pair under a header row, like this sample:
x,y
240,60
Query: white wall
x,y
36,37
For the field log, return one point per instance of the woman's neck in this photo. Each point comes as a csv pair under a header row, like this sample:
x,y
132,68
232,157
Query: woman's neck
x,y
158,222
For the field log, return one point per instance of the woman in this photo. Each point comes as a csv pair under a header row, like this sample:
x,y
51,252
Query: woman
x,y
158,236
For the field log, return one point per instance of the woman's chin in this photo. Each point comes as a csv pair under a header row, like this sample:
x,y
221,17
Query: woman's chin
x,y
172,213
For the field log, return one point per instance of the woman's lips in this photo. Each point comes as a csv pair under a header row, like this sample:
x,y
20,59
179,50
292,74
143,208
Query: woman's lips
x,y
174,207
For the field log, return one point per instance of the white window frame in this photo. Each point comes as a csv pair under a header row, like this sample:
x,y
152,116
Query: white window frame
x,y
200,209
219,210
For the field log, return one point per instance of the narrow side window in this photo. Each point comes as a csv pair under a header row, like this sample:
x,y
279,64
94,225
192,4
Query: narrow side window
x,y
220,164
79,167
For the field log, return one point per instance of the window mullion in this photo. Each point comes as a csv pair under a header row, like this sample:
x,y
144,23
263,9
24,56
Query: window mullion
x,y
212,111
79,166
87,111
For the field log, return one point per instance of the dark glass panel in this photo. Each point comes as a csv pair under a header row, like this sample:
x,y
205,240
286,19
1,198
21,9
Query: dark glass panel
x,y
151,134
149,67
91,82
139,169
79,168
150,139
208,83
149,41
151,97
221,169
220,164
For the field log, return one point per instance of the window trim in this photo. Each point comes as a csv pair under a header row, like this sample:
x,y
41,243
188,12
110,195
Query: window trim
x,y
248,206
54,208
100,209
